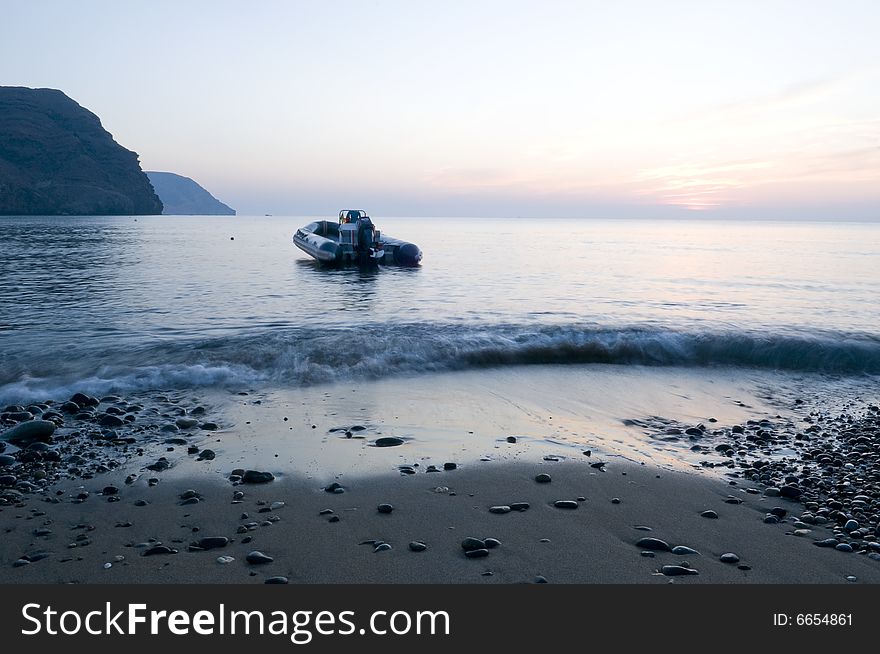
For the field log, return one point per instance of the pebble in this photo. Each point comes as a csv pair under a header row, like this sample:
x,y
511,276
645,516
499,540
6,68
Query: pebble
x,y
565,504
274,506
543,478
257,477
476,554
729,557
225,559
109,420
385,508
790,492
677,570
471,543
29,432
851,525
159,549
499,509
450,466
653,544
388,441
681,550
382,547
844,547
212,542
519,506
257,557
615,500
277,580
491,543
417,546
712,515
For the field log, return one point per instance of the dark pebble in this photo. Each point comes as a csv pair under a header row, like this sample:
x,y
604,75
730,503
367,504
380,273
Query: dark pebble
x,y
471,543
653,544
159,549
388,441
257,557
565,504
213,542
257,477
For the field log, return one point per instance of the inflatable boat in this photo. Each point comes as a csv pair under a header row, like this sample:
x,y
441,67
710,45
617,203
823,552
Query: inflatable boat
x,y
354,239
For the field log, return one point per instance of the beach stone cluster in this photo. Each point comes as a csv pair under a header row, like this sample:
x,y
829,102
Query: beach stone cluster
x,y
824,467
84,436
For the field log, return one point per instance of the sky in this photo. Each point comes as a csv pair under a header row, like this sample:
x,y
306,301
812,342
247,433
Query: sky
x,y
766,109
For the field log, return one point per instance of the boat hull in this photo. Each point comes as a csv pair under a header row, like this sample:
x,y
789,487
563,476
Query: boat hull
x,y
320,240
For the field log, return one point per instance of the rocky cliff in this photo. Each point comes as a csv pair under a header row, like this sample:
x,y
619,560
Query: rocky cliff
x,y
57,159
184,197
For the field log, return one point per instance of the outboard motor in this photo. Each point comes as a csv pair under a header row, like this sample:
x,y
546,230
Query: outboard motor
x,y
365,239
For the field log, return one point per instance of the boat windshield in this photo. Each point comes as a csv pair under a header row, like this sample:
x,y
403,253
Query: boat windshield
x,y
351,215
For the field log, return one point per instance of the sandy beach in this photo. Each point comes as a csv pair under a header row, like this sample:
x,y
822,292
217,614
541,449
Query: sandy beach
x,y
162,498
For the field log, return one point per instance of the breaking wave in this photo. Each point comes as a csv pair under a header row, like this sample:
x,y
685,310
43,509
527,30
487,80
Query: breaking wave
x,y
306,356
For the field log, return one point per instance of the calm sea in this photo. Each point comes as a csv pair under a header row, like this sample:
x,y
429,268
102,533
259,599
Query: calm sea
x,y
122,303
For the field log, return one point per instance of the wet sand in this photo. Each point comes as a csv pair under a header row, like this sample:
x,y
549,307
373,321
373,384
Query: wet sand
x,y
124,519
595,543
